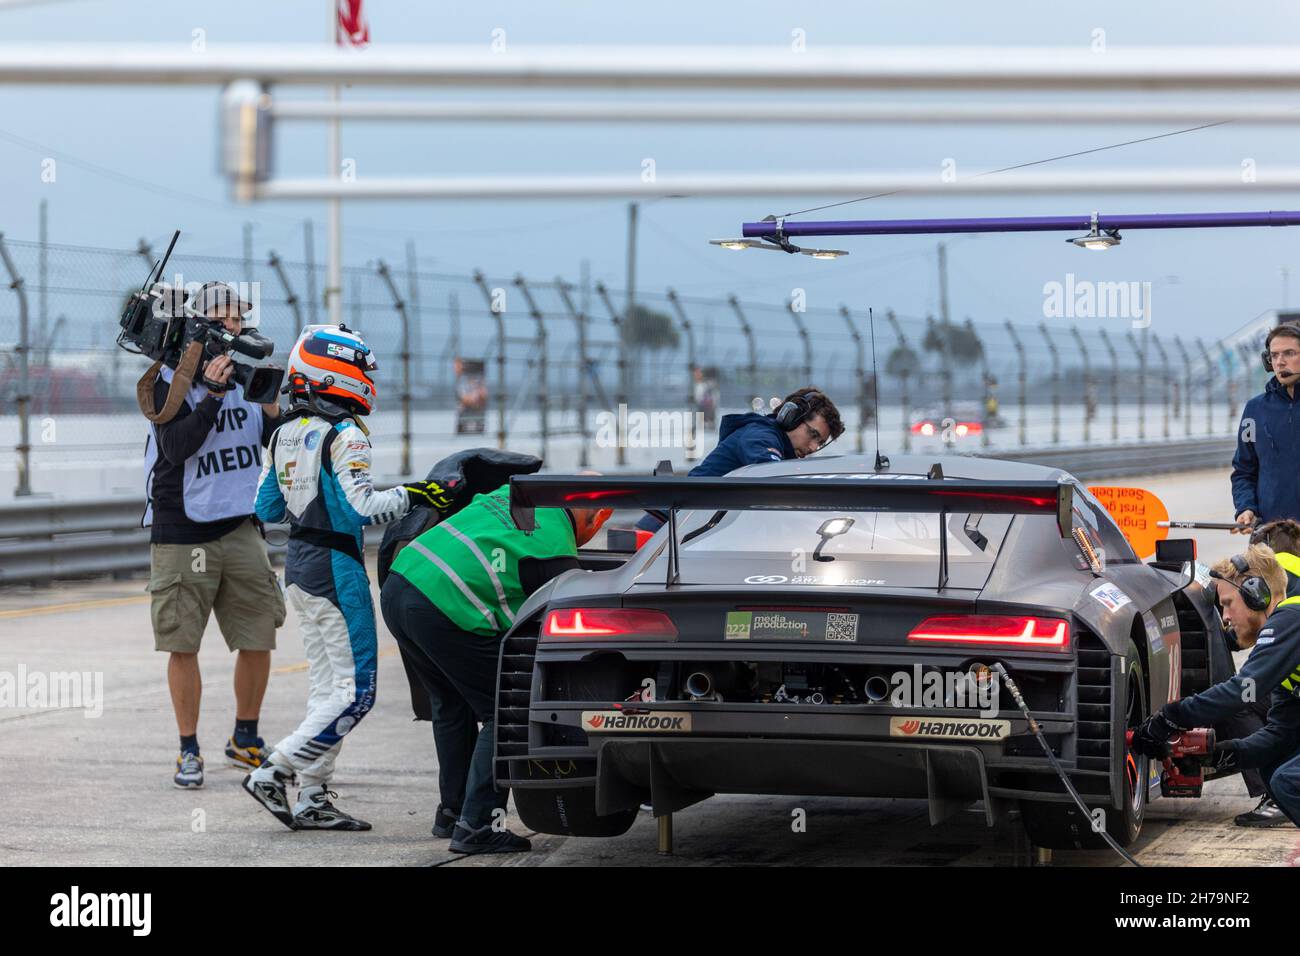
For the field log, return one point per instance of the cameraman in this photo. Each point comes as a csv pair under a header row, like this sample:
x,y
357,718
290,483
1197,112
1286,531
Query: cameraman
x,y
206,554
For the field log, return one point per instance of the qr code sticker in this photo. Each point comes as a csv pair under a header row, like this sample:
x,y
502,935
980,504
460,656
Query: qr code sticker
x,y
841,627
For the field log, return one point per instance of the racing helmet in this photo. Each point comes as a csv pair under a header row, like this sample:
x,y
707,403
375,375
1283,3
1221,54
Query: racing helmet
x,y
331,365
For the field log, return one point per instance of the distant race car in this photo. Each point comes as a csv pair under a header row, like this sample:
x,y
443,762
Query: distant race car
x,y
820,627
961,420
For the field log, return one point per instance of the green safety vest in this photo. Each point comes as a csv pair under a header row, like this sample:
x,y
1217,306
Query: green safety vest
x,y
467,565
1292,683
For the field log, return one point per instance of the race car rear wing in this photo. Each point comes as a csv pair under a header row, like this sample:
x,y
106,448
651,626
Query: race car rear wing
x,y
813,492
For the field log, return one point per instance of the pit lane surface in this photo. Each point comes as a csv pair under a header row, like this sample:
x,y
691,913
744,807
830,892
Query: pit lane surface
x,y
84,790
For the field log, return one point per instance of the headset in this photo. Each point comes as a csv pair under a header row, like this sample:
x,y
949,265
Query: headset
x,y
796,411
1264,357
1255,592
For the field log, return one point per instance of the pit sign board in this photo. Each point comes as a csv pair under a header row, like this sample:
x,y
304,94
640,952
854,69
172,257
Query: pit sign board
x,y
1137,512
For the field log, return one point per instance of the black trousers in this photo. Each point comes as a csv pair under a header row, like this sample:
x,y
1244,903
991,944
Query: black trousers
x,y
458,670
1242,724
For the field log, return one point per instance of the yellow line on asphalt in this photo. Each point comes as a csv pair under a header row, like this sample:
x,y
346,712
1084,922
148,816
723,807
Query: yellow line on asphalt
x,y
72,606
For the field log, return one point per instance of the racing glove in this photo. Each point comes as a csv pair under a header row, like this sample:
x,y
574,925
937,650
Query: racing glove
x,y
1151,737
429,494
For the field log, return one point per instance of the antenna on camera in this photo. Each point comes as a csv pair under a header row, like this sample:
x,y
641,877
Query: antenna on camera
x,y
160,266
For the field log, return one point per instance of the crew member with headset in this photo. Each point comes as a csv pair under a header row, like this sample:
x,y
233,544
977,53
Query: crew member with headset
x,y
1284,538
206,555
450,596
1266,467
805,422
1247,721
1250,588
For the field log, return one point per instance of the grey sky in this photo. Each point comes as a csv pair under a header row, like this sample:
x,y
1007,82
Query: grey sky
x,y
167,137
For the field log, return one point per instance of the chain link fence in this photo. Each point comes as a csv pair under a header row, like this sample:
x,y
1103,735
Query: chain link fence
x,y
560,359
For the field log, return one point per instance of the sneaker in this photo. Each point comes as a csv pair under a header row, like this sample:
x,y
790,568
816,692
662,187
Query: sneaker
x,y
1266,814
247,758
486,840
189,771
315,811
267,785
444,821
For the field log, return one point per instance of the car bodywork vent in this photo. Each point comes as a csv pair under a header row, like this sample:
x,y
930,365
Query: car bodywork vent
x,y
514,687
1195,648
1094,728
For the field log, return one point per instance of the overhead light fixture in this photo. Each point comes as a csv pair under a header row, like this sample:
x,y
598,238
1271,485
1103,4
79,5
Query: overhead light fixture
x,y
744,244
777,243
1097,239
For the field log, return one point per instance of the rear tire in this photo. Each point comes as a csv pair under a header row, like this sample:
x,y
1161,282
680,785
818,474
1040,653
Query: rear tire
x,y
1060,826
570,811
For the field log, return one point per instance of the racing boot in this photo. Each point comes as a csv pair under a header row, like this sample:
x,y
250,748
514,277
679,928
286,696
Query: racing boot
x,y
315,811
267,785
486,840
1266,814
189,771
444,821
248,757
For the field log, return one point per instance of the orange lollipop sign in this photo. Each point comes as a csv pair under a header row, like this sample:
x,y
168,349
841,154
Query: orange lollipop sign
x,y
1137,512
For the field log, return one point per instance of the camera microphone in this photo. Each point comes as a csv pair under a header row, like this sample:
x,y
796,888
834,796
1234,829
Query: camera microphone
x,y
252,344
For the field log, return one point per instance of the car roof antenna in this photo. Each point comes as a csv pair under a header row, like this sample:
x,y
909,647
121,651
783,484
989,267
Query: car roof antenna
x,y
936,472
882,463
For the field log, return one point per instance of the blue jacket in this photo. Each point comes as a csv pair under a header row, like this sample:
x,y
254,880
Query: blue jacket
x,y
1266,470
742,440
745,440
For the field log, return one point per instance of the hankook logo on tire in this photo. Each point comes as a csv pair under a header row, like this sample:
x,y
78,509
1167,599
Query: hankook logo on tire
x,y
766,579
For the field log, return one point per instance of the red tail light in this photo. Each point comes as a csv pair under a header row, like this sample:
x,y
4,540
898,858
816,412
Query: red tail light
x,y
595,623
969,428
1042,633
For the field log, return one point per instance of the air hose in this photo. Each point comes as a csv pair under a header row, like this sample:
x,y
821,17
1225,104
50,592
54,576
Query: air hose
x,y
1060,771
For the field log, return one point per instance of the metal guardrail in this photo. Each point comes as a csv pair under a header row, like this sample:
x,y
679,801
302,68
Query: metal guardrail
x,y
46,540
1135,458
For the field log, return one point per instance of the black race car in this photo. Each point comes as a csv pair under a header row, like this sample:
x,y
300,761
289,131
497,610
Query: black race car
x,y
828,627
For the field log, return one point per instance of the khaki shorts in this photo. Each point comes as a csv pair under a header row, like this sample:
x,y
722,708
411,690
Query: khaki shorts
x,y
230,576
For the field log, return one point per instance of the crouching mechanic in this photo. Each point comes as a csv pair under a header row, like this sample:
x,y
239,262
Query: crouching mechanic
x,y
1251,590
317,475
451,595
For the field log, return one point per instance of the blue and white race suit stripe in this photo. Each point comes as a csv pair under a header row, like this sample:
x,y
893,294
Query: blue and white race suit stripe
x,y
316,475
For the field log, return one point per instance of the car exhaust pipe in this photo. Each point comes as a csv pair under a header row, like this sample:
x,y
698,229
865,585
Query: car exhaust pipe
x,y
699,685
877,689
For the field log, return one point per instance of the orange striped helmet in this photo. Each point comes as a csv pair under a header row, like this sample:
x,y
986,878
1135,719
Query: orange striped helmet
x,y
333,363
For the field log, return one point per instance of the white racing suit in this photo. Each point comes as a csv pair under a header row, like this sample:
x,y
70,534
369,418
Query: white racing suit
x,y
316,475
